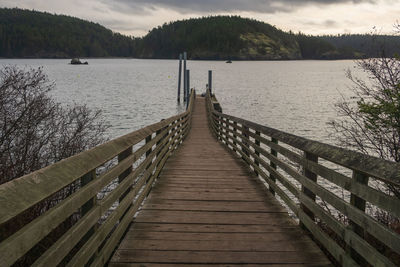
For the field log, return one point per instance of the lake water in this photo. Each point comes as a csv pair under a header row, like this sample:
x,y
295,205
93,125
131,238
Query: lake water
x,y
293,96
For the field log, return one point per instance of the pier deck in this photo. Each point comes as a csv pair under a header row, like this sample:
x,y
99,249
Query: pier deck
x,y
208,208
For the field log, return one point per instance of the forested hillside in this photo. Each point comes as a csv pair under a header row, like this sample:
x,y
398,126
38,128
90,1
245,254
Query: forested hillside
x,y
25,33
219,37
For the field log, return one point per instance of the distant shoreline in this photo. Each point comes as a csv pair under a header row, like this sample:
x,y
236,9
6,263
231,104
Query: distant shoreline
x,y
222,60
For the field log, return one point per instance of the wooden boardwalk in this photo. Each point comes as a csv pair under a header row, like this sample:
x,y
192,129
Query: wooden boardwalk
x,y
208,209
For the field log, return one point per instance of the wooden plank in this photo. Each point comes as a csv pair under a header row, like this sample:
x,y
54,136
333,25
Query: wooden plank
x,y
209,257
200,189
163,216
113,264
209,196
219,245
212,228
289,235
240,206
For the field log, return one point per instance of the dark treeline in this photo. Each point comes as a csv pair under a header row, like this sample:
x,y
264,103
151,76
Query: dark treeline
x,y
370,45
25,33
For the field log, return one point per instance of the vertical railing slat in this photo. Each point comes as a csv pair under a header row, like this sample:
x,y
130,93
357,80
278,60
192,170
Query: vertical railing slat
x,y
272,164
245,144
234,135
312,176
123,155
360,204
257,142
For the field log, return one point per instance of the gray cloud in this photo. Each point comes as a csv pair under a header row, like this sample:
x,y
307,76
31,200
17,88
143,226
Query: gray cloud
x,y
217,6
330,23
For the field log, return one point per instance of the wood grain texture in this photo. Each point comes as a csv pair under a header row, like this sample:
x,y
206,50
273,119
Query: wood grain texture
x,y
207,208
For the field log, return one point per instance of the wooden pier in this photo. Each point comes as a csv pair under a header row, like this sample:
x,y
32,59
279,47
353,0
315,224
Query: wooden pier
x,y
200,188
207,208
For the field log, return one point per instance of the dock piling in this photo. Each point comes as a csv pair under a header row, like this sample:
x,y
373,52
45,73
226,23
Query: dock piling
x,y
179,78
187,86
184,76
210,81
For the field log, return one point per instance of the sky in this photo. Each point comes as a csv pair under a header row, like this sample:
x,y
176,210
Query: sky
x,y
137,17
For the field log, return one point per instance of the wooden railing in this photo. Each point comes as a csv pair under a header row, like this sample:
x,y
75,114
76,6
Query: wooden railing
x,y
98,225
290,166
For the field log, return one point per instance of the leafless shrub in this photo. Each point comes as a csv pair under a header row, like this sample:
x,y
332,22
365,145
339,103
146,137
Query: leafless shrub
x,y
36,131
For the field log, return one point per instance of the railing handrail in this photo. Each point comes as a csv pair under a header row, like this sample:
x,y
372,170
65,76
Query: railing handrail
x,y
381,169
25,192
249,141
38,185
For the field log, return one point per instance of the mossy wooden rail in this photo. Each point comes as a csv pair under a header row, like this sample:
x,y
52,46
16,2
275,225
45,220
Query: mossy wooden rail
x,y
153,144
276,156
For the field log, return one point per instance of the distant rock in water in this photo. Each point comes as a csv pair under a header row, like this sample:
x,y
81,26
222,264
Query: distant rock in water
x,y
76,61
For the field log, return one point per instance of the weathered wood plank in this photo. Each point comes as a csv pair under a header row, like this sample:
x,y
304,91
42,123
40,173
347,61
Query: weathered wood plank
x,y
212,228
209,257
163,216
209,196
217,265
219,245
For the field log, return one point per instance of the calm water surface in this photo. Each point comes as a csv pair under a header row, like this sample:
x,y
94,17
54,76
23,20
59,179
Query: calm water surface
x,y
294,96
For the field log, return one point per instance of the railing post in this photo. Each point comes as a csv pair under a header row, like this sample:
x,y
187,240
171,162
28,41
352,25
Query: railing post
x,y
87,178
158,142
257,142
162,138
123,155
148,139
234,135
245,134
359,203
313,177
273,165
225,132
219,128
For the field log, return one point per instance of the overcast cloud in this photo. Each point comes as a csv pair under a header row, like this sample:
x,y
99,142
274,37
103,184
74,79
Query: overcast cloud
x,y
212,6
137,17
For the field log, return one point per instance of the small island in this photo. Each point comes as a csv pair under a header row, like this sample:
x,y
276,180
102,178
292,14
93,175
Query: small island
x,y
76,61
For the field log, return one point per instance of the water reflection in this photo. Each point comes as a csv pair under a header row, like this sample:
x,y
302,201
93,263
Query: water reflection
x,y
294,96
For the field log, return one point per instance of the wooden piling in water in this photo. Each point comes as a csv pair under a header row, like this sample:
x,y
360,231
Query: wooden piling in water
x,y
187,86
179,77
184,76
210,81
